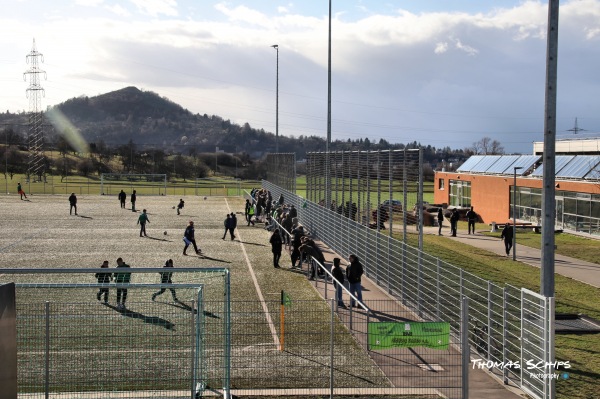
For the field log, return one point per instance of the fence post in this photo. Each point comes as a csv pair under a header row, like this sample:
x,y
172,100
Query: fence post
x,y
419,281
195,315
464,343
489,317
504,331
47,350
549,327
331,338
437,294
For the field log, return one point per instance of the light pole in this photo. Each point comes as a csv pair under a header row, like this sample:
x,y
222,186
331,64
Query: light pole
x,y
276,47
515,211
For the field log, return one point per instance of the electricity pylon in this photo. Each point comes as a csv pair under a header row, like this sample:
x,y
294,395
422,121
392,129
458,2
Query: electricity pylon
x,y
35,136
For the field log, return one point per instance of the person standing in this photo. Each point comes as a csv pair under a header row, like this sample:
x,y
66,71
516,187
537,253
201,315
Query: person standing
x,y
454,221
338,274
133,199
180,206
103,278
281,200
251,211
232,225
471,219
122,277
72,203
142,220
20,191
226,224
507,235
122,198
297,234
276,245
189,238
354,272
440,219
165,278
246,209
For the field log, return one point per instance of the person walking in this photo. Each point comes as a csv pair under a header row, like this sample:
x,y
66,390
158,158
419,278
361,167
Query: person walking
x,y
338,275
122,198
180,206
132,199
165,278
103,278
354,272
20,191
276,245
507,235
454,221
189,238
471,219
142,220
226,224
232,225
122,277
72,203
440,219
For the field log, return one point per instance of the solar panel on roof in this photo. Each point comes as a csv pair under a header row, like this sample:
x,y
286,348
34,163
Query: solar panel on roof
x,y
470,163
502,164
559,161
580,166
525,162
485,163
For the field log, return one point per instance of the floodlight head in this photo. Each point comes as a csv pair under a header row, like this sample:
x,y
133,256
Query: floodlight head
x,y
275,46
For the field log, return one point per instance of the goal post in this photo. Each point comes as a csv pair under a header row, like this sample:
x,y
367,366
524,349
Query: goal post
x,y
179,330
145,184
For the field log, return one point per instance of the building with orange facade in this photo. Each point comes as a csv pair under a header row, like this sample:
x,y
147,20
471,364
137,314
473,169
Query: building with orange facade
x,y
487,182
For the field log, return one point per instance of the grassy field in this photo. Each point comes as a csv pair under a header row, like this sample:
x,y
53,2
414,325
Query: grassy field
x,y
110,349
583,351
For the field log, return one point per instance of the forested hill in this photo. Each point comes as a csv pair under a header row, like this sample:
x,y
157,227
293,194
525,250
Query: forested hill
x,y
149,120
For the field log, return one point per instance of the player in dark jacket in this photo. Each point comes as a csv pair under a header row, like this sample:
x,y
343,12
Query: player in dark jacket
x,y
122,278
165,278
188,238
122,198
72,203
354,272
103,278
276,245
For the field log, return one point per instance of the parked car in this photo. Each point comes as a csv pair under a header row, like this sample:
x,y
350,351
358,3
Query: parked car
x,y
396,205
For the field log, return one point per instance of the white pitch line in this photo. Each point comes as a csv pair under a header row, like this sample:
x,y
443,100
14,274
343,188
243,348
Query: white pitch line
x,y
258,291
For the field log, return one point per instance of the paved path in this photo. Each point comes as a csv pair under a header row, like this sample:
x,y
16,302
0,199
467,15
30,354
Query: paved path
x,y
576,269
405,370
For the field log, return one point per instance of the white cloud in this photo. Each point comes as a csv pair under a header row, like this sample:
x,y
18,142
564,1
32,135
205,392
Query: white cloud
x,y
89,3
155,8
118,10
463,47
441,48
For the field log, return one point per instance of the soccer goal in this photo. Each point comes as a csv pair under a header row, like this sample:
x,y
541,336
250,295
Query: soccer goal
x,y
169,340
145,184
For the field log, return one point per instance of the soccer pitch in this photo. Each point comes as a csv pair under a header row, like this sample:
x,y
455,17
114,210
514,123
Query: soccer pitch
x,y
149,343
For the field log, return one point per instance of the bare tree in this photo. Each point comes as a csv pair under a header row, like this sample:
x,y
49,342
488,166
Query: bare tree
x,y
486,146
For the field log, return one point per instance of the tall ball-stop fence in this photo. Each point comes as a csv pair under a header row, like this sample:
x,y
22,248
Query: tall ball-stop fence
x,y
281,170
506,324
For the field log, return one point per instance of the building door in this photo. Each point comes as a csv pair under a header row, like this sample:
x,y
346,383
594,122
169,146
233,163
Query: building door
x,y
559,212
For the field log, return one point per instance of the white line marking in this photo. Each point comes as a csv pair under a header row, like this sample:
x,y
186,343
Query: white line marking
x,y
258,291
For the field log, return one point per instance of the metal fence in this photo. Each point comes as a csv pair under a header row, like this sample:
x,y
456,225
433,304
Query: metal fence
x,y
281,170
506,324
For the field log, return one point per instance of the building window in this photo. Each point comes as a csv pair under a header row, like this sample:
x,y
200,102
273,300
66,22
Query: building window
x,y
574,211
441,184
460,193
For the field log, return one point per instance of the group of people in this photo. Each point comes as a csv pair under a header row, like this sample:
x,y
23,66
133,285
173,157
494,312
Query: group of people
x,y
471,216
230,223
132,199
124,277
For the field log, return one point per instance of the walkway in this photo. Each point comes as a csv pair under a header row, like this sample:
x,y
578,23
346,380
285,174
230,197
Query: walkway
x,y
579,270
420,367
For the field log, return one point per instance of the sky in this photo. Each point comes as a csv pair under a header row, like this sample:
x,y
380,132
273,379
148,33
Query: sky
x,y
439,72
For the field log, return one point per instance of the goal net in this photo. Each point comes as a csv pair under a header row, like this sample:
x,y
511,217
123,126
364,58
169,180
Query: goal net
x,y
169,340
145,184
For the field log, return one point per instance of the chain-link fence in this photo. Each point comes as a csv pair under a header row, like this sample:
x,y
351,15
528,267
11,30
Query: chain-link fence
x,y
499,319
281,170
379,189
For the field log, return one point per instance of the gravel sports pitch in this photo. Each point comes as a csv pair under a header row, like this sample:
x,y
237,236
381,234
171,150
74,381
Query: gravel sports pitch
x,y
40,233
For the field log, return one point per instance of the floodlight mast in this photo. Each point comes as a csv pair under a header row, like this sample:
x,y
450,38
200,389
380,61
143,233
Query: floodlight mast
x,y
276,47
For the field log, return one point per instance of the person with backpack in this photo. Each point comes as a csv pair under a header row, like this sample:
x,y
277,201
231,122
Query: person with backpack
x,y
338,274
354,272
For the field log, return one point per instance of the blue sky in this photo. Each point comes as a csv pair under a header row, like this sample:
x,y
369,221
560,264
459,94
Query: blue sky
x,y
444,73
